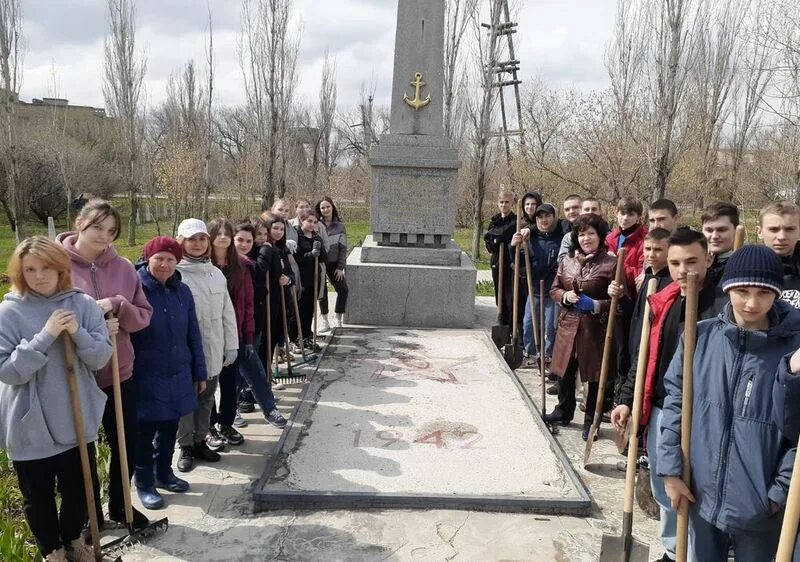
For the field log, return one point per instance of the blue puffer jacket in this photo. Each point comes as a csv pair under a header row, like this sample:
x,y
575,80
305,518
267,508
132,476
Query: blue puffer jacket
x,y
740,458
169,352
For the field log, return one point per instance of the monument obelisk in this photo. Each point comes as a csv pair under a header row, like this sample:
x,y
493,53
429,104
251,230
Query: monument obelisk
x,y
410,272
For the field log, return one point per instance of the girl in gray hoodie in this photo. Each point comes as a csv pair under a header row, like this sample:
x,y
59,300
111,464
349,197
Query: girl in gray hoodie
x,y
36,423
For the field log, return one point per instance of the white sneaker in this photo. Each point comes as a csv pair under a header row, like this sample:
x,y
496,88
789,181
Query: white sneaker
x,y
59,555
278,386
339,320
324,325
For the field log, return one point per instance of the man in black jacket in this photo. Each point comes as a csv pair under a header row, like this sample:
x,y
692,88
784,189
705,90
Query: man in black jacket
x,y
779,229
502,227
719,222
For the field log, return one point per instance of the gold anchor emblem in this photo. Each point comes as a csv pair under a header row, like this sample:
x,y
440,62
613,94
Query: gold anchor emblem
x,y
417,103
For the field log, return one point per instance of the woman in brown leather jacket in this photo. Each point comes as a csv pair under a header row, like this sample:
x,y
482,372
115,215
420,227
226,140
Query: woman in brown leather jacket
x,y
580,287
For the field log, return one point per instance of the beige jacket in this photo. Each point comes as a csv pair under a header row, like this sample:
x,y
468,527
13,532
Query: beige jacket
x,y
215,313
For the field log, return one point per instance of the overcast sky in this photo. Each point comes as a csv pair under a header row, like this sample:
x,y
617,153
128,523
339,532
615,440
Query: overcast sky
x,y
560,40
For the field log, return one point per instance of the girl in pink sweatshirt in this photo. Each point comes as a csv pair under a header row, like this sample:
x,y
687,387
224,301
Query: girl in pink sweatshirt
x,y
112,281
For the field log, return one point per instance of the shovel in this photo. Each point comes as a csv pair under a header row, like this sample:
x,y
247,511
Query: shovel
x,y
687,395
500,331
605,365
625,548
83,449
133,537
512,351
791,516
738,237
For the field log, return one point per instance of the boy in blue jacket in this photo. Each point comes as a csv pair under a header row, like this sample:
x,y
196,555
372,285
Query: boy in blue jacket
x,y
741,462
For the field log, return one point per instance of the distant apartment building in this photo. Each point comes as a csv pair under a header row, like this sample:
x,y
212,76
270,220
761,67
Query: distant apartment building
x,y
83,120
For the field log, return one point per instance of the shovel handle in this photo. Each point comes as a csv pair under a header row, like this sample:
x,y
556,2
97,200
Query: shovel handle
x,y
120,423
268,329
515,311
638,396
501,281
619,277
316,298
296,308
791,516
739,236
83,449
286,331
542,361
690,340
531,303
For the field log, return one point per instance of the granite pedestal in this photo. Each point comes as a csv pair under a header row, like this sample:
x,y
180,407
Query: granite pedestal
x,y
402,294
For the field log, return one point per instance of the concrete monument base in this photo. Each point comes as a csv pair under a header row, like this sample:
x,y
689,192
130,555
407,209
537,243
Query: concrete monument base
x,y
372,252
425,296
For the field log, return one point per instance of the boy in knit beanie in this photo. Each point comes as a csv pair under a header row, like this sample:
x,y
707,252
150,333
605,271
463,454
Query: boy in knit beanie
x,y
741,462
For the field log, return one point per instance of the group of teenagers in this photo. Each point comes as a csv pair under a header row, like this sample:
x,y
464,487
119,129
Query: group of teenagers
x,y
746,400
196,325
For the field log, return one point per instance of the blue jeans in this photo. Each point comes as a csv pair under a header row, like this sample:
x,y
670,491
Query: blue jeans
x,y
709,544
252,371
155,446
669,518
528,341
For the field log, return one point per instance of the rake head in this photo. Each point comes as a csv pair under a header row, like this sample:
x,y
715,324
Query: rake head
x,y
116,548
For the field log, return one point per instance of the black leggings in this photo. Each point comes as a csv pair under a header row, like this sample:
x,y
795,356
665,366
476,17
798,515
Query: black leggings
x,y
341,291
38,479
306,305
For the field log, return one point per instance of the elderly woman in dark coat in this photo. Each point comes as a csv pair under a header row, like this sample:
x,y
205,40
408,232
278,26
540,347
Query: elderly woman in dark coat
x,y
169,369
580,287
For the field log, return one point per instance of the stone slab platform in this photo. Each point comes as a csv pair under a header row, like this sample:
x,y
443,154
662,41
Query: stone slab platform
x,y
417,418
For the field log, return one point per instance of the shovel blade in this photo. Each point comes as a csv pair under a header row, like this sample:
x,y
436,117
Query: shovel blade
x,y
512,353
615,549
500,334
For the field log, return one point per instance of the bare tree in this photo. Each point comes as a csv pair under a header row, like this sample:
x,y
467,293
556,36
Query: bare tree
x,y
479,111
360,128
785,101
10,78
457,16
668,65
720,44
268,57
326,117
319,128
209,126
122,88
546,114
752,81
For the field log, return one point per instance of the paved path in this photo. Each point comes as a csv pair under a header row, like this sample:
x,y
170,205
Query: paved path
x,y
214,520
